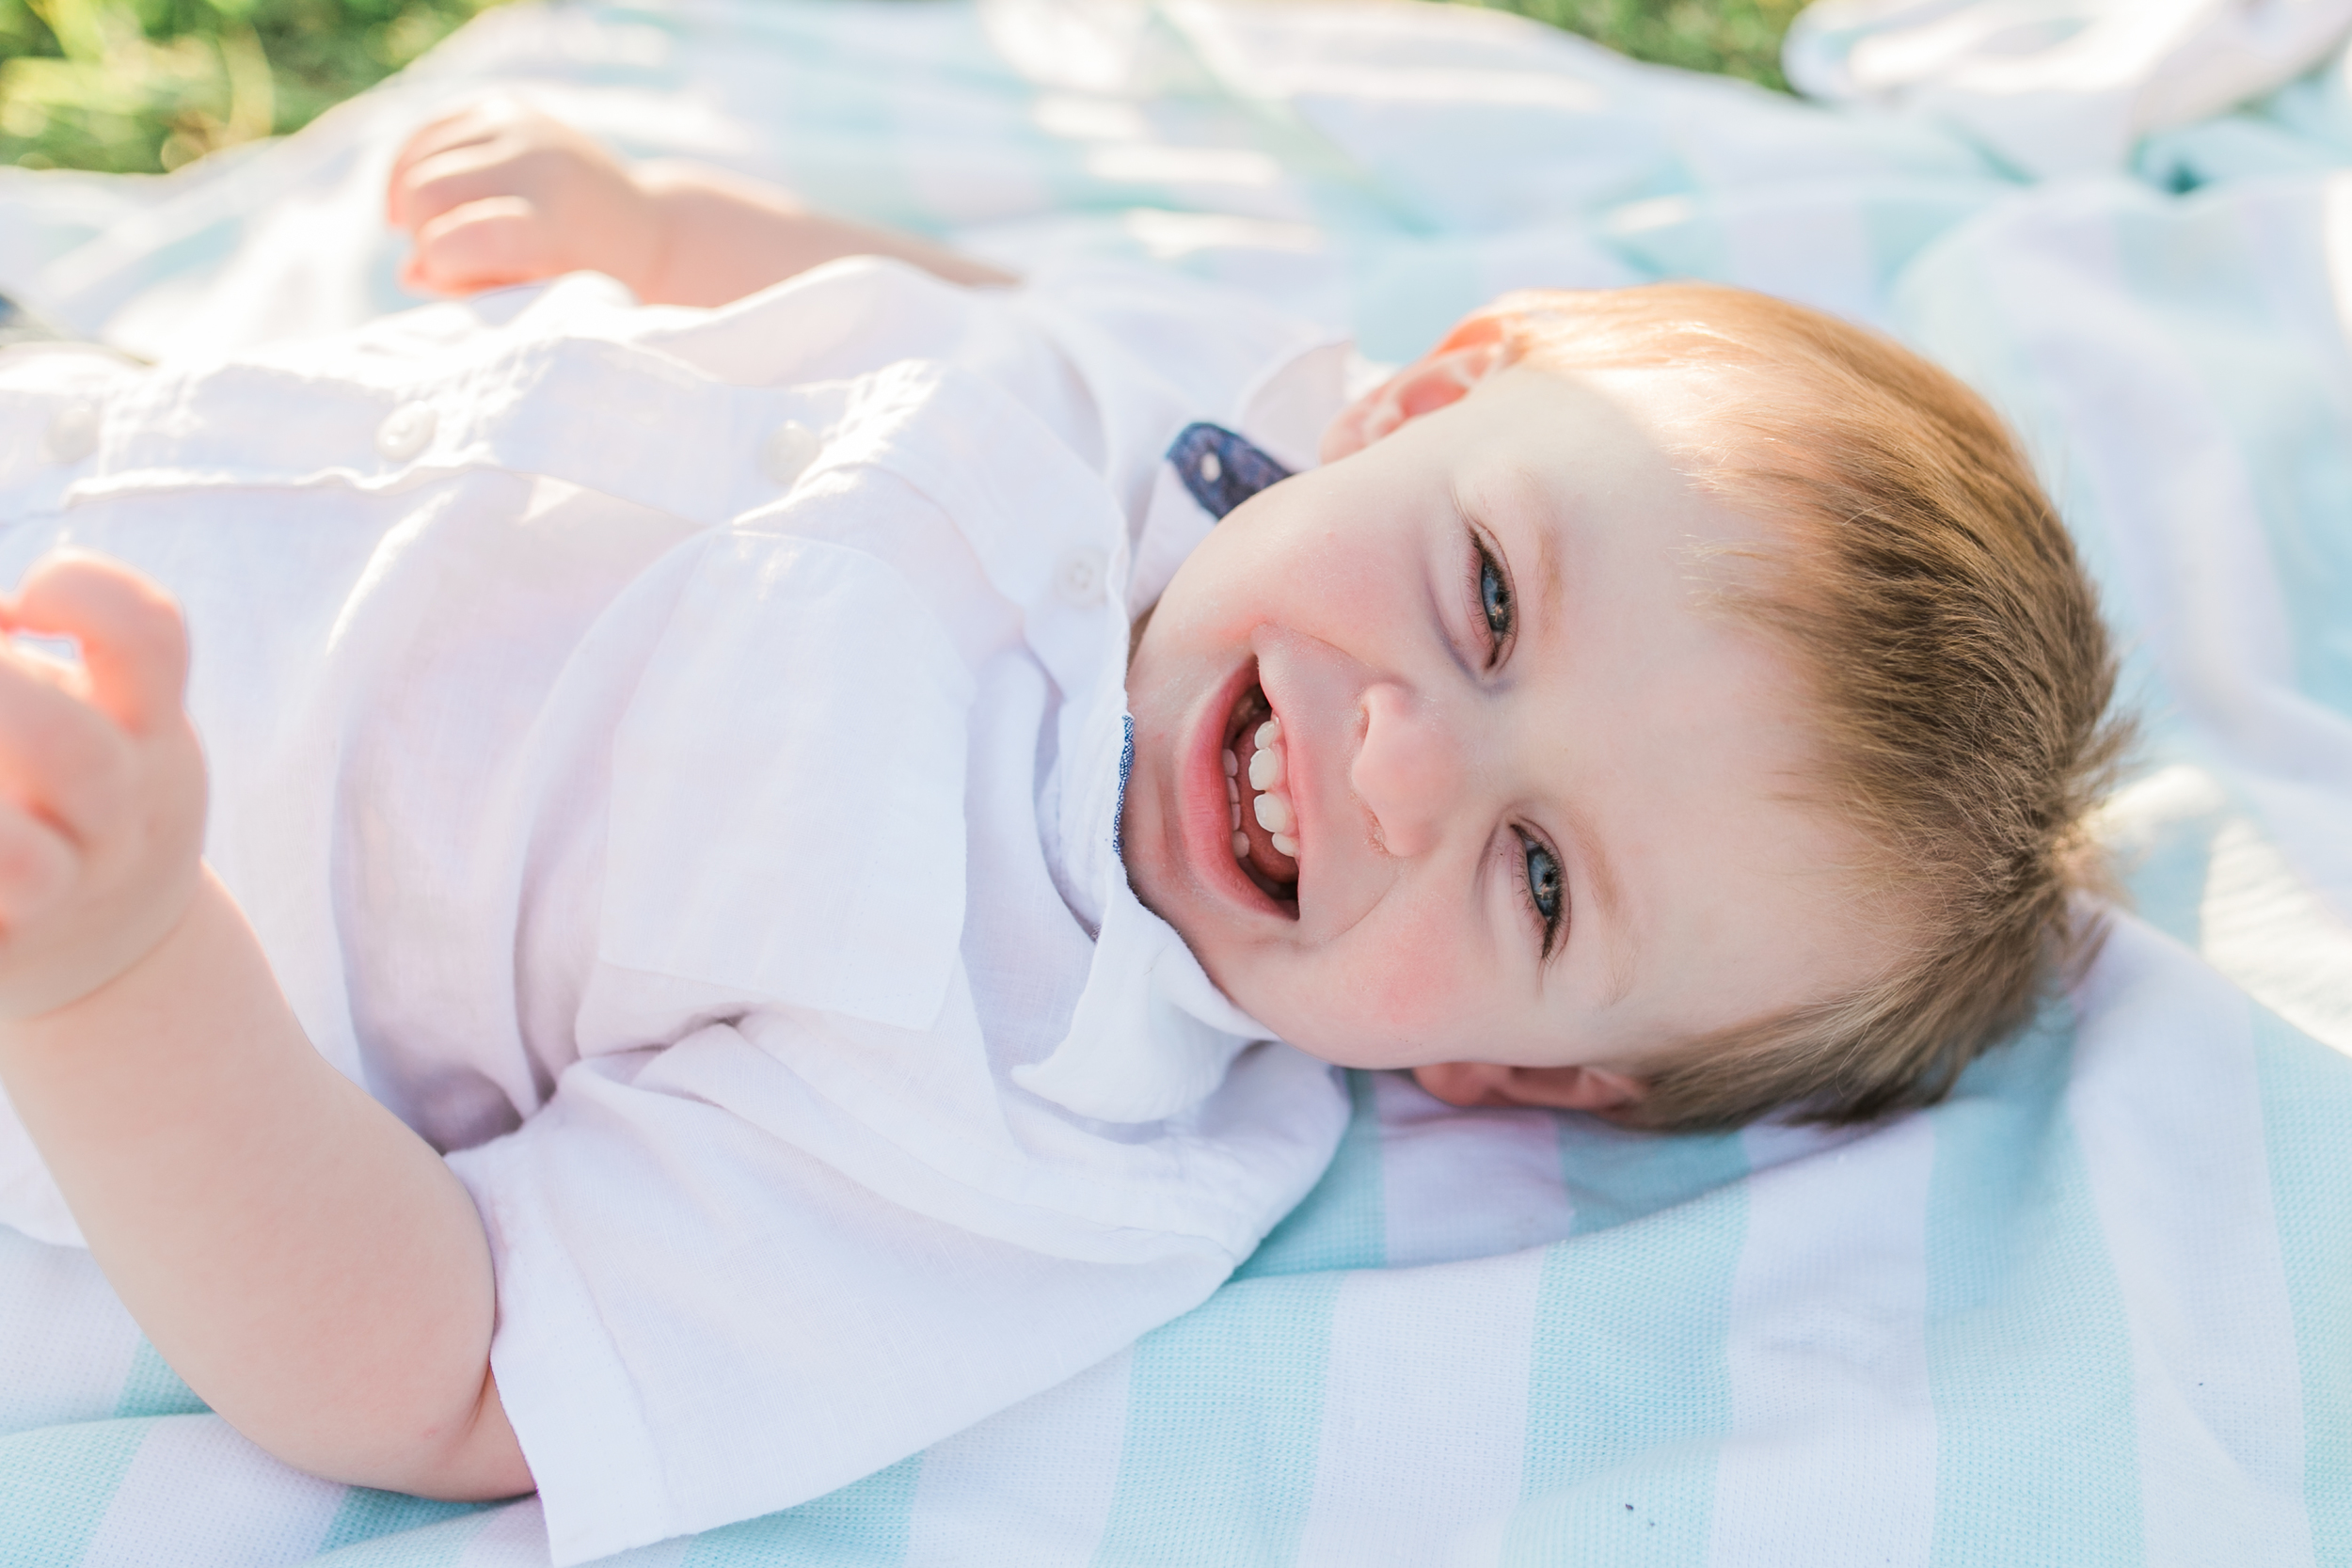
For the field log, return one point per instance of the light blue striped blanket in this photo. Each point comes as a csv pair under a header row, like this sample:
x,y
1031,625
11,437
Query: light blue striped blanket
x,y
2095,1309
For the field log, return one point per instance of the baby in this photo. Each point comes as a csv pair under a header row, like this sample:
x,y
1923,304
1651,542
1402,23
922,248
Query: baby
x,y
836,1005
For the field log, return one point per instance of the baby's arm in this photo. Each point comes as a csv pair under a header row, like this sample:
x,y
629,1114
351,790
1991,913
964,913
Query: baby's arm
x,y
306,1261
498,193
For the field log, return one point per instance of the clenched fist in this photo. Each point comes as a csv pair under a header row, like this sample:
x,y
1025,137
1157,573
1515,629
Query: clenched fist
x,y
101,783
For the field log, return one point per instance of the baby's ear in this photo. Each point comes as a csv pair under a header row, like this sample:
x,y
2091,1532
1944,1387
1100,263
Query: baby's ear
x,y
1597,1090
1471,353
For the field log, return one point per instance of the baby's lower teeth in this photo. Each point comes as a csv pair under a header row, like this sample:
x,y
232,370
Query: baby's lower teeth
x,y
1241,846
1286,845
1236,809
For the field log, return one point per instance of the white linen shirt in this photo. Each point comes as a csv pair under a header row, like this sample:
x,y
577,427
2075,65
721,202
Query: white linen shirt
x,y
672,759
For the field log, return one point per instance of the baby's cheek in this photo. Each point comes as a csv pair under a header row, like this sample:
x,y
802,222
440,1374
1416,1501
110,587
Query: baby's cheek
x,y
1401,996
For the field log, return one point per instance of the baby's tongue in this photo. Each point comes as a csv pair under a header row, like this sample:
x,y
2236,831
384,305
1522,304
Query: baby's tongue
x,y
1270,863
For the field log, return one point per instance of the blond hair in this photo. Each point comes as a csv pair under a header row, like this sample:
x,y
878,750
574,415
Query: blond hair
x,y
1963,678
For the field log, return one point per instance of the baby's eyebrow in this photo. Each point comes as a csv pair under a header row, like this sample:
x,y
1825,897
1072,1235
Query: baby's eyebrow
x,y
1548,526
1608,898
1522,496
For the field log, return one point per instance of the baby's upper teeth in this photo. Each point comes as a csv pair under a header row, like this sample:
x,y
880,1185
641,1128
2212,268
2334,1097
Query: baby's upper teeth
x,y
1274,813
1271,808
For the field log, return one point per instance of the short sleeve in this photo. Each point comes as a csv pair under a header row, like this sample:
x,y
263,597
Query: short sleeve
x,y
701,1321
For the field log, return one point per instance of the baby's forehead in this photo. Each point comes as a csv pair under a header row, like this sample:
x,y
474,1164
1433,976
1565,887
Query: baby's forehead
x,y
1697,414
1669,443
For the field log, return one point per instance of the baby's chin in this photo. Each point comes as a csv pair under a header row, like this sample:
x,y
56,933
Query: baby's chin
x,y
1300,1020
1271,984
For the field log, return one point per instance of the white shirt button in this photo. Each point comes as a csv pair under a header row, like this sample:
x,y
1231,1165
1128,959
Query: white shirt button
x,y
73,433
405,430
786,455
1078,577
1212,469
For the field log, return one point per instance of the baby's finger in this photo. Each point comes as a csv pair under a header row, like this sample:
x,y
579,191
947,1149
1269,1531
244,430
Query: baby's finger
x,y
134,646
59,759
468,127
449,180
36,867
484,244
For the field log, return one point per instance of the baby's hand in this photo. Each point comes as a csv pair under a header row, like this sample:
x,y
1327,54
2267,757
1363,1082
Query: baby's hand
x,y
498,194
101,783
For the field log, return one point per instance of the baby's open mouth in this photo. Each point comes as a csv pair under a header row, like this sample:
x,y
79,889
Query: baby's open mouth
x,y
1257,797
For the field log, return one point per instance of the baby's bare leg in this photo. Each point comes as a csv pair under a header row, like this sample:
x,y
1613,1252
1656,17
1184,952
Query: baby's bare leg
x,y
301,1257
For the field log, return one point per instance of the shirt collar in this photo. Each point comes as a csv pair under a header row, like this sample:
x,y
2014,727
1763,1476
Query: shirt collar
x,y
1151,1032
1152,1035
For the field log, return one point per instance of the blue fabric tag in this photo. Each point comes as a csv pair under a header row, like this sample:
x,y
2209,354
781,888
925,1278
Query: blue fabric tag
x,y
1126,766
1221,469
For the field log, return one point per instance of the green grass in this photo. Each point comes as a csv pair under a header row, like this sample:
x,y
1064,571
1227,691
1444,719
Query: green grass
x,y
141,85
1733,38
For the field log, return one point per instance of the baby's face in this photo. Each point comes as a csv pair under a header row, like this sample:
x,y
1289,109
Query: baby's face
x,y
1537,792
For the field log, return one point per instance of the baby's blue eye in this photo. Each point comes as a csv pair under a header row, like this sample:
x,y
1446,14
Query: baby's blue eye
x,y
1493,597
1543,882
1546,891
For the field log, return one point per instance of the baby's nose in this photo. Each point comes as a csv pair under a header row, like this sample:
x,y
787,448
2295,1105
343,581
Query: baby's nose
x,y
1409,771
